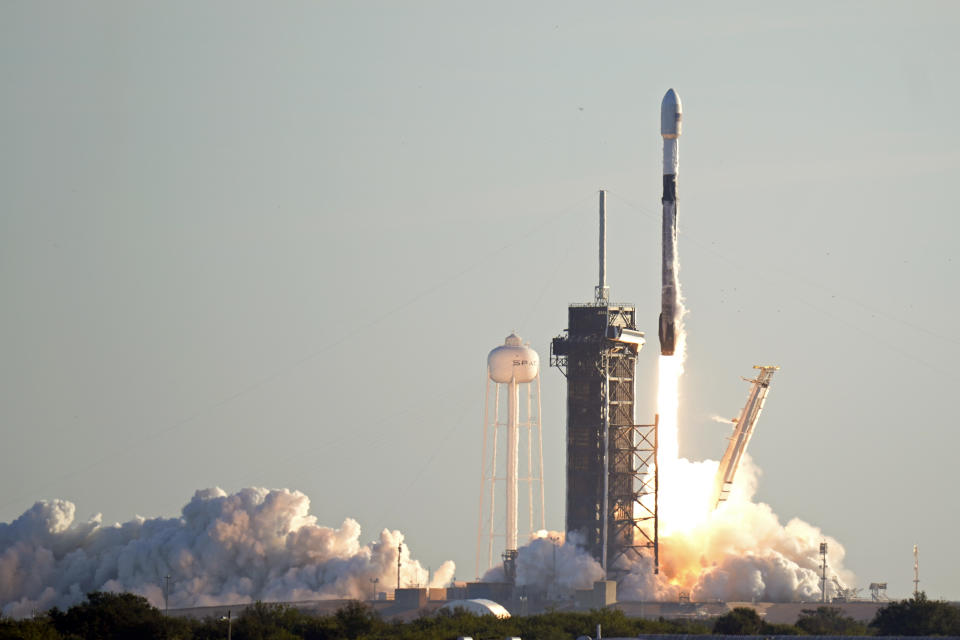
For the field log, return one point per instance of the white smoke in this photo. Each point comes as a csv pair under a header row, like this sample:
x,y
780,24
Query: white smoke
x,y
568,564
551,559
739,552
255,544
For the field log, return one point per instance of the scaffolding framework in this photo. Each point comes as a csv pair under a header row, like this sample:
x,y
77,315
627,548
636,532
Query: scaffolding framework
x,y
634,497
612,480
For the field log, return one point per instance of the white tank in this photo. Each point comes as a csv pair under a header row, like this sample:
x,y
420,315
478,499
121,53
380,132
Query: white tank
x,y
513,361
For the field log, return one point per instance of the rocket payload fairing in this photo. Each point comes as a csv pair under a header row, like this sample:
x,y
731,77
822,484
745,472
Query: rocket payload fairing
x,y
671,116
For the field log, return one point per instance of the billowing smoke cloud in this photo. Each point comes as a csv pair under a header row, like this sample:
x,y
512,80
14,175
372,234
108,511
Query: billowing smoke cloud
x,y
255,544
739,552
551,560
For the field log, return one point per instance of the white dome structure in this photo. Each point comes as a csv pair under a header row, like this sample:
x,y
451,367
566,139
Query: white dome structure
x,y
478,606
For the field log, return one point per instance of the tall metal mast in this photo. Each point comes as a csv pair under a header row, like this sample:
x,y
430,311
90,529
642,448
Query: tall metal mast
x,y
603,291
823,572
916,571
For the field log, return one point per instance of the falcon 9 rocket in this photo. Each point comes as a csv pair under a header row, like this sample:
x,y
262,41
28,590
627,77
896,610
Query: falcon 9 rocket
x,y
671,116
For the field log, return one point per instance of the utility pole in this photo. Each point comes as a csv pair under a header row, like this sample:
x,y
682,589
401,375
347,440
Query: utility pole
x,y
399,553
229,625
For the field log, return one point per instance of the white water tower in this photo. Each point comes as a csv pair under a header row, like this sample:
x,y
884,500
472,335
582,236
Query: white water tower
x,y
511,418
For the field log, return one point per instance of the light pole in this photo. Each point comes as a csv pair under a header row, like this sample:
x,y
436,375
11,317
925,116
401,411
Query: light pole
x,y
823,572
229,620
399,554
166,594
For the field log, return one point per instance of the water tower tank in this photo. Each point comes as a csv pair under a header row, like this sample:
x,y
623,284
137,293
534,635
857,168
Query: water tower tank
x,y
513,360
511,406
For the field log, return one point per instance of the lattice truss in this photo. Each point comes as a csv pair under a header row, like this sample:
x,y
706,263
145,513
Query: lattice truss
x,y
633,476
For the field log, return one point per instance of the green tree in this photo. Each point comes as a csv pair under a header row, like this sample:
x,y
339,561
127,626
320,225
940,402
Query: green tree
x,y
449,624
266,621
918,616
356,620
742,621
112,616
312,627
36,628
775,629
829,621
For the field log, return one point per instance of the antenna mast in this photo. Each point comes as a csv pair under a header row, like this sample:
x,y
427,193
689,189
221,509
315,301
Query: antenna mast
x,y
916,572
603,291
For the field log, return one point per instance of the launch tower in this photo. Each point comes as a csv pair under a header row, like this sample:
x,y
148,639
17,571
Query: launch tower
x,y
611,461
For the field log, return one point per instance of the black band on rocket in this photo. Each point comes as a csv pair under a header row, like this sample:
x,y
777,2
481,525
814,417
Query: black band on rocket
x,y
669,188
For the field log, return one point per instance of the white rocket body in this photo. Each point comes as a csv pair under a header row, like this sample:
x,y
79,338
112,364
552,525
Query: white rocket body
x,y
671,119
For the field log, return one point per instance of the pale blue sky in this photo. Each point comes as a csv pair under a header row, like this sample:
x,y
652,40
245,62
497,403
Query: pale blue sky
x,y
271,244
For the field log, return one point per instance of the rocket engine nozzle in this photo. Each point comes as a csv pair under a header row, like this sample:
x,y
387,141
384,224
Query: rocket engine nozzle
x,y
668,338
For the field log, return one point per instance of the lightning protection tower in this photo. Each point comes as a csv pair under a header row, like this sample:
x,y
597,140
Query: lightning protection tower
x,y
511,419
612,480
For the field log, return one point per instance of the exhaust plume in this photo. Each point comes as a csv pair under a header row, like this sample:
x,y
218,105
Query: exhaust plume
x,y
255,544
739,552
552,560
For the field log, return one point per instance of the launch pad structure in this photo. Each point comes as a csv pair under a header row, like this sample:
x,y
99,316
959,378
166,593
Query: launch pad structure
x,y
612,478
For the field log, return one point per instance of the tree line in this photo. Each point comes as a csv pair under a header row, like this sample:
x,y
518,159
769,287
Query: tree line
x,y
125,616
